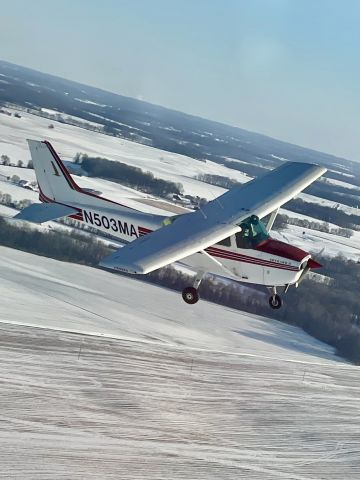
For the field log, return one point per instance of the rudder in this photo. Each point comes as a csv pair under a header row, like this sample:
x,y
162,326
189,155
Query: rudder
x,y
55,182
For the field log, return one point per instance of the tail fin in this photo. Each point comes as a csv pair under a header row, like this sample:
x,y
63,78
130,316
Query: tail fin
x,y
55,182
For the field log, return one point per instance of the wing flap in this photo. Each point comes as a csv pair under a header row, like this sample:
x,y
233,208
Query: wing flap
x,y
43,212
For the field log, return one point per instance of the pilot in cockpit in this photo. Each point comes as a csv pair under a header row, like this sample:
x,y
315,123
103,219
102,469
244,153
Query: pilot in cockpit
x,y
253,232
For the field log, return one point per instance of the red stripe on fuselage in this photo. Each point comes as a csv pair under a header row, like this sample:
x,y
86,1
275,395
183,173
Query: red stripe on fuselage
x,y
237,257
216,252
253,261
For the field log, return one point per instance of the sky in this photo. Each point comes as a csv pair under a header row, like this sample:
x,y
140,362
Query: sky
x,y
287,68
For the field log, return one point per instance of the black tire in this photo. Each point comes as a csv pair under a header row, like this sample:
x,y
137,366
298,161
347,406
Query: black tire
x,y
190,295
275,302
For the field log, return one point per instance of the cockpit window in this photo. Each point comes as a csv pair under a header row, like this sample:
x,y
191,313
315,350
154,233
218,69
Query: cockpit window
x,y
253,232
225,243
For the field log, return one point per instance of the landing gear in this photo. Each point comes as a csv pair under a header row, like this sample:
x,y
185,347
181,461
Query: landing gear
x,y
190,295
275,301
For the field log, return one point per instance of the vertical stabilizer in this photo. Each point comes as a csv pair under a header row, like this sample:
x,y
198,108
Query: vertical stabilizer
x,y
55,182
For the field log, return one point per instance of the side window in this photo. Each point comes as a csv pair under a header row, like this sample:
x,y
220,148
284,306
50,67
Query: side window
x,y
226,242
242,239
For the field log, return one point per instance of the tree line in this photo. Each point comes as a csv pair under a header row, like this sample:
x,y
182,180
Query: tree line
x,y
322,212
72,247
282,221
127,175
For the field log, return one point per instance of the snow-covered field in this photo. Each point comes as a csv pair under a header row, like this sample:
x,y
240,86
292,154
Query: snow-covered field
x,y
104,376
340,183
150,388
329,203
69,140
321,243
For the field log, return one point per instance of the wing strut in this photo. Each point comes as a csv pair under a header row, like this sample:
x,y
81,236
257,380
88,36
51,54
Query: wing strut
x,y
272,219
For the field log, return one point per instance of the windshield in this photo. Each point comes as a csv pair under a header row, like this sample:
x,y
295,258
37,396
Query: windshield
x,y
253,232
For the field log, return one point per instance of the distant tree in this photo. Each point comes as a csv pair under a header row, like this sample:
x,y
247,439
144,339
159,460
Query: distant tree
x,y
179,187
78,158
6,199
51,126
30,164
15,179
20,163
5,159
23,203
110,130
218,180
281,221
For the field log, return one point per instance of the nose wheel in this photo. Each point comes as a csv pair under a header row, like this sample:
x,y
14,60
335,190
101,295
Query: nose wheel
x,y
190,295
275,301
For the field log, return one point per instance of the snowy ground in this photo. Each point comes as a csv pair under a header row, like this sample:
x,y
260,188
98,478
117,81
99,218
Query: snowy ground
x,y
321,243
340,183
329,203
152,389
69,140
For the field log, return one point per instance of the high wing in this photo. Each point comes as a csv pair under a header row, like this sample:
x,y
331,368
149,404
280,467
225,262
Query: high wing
x,y
220,218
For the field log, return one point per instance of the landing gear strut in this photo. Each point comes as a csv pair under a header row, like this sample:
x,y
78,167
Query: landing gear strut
x,y
275,301
190,295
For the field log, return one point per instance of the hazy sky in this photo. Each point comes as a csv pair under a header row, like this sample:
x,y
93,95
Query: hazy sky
x,y
286,68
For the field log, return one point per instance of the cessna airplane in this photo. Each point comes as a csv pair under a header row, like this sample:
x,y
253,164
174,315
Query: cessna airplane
x,y
225,237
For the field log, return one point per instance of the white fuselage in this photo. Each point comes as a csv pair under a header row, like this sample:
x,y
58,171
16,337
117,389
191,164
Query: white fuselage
x,y
244,264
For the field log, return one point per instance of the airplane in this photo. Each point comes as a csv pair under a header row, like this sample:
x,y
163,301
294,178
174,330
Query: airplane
x,y
225,237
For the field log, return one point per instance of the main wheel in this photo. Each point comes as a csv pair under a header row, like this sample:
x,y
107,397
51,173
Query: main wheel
x,y
275,301
190,295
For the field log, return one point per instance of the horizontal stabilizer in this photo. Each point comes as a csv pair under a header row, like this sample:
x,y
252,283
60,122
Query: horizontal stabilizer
x,y
43,212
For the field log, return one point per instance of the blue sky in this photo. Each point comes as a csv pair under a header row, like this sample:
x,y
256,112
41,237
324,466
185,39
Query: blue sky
x,y
286,68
